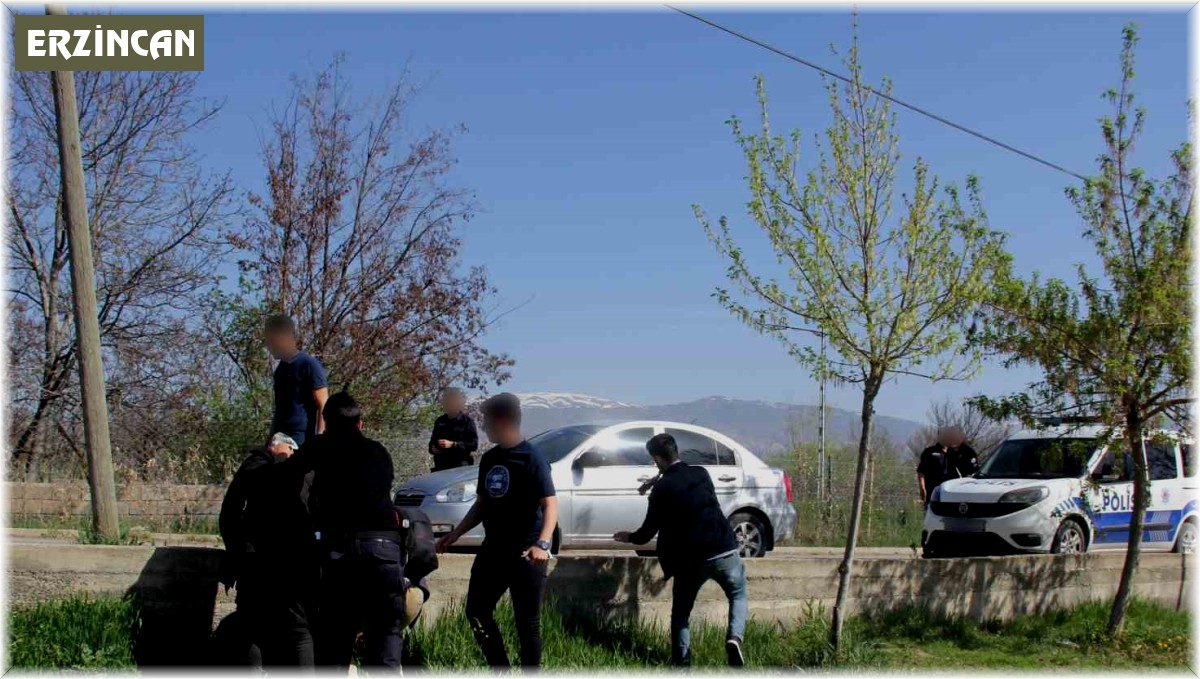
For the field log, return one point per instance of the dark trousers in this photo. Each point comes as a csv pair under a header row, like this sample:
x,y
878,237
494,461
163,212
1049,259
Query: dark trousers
x,y
275,596
362,591
491,575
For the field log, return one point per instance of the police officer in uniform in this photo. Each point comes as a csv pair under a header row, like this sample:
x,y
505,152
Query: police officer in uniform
x,y
454,437
950,458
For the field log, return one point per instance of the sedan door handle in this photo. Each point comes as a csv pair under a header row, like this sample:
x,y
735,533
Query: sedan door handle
x,y
643,479
727,478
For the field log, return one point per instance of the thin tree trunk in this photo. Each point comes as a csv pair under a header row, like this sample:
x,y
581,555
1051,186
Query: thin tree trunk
x,y
870,390
1133,550
870,493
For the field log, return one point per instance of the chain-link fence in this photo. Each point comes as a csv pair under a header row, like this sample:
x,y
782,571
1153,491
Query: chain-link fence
x,y
190,452
891,512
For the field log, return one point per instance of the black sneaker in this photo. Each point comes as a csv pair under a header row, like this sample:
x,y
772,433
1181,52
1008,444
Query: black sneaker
x,y
733,650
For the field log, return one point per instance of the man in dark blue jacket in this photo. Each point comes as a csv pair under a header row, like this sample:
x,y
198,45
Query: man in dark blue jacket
x,y
362,575
695,544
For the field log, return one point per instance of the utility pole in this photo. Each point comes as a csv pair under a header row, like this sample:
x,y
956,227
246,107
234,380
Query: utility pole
x,y
83,288
822,463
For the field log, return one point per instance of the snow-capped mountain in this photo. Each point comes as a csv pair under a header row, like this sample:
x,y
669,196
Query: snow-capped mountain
x,y
559,399
760,425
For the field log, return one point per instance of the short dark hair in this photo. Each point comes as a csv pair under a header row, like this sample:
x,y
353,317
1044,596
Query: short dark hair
x,y
280,322
663,445
341,412
503,406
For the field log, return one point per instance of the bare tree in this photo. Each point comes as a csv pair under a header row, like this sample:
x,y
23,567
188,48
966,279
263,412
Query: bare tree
x,y
154,218
356,238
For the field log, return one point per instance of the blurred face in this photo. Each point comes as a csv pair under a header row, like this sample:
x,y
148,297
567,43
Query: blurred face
x,y
281,343
452,403
497,428
660,462
281,451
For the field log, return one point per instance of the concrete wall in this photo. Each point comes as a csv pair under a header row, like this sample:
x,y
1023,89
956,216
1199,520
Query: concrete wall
x,y
134,500
180,582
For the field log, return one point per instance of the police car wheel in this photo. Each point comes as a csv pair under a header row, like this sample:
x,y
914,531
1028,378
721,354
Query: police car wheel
x,y
750,534
1069,539
1185,542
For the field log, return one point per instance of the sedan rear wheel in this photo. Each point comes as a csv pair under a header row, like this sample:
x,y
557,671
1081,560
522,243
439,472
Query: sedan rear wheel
x,y
750,533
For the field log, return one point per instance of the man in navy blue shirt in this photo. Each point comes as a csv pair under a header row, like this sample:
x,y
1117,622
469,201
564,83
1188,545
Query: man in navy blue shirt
x,y
515,501
300,387
695,544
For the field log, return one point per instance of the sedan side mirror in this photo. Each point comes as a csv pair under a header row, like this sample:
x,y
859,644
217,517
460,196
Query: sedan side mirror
x,y
588,459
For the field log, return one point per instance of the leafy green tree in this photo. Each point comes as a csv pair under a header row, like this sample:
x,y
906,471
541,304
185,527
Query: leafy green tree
x,y
890,292
1117,348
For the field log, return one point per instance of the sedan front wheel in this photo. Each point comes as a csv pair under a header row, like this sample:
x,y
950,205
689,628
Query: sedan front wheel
x,y
750,533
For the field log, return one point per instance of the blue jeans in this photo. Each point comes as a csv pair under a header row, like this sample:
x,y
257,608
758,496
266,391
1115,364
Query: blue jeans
x,y
730,573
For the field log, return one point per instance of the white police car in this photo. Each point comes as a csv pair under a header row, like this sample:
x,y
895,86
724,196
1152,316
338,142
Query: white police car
x,y
1056,490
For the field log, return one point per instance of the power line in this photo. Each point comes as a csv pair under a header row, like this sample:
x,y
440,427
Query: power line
x,y
898,102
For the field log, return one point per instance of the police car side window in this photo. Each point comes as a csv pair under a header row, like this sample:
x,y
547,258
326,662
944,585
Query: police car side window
x,y
694,448
1189,460
1123,470
1161,458
628,450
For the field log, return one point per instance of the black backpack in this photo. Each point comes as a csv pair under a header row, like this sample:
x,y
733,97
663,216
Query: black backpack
x,y
420,546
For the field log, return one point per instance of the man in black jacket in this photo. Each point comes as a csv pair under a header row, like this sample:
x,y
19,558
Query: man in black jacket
x,y
270,556
695,544
362,577
454,437
950,458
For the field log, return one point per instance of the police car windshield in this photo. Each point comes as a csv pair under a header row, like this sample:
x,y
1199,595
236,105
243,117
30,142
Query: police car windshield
x,y
1050,458
554,444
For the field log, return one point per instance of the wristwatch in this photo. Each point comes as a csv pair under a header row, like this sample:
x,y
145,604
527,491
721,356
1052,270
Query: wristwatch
x,y
543,545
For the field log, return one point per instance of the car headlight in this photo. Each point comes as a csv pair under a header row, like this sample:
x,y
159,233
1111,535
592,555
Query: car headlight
x,y
936,496
1026,496
459,492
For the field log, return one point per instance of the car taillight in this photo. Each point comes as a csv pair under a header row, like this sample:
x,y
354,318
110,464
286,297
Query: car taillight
x,y
787,486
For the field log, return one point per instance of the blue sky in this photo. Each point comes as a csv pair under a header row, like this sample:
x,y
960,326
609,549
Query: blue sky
x,y
591,134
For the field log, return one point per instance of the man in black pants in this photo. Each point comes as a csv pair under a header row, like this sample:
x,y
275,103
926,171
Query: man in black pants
x,y
270,556
454,437
519,511
695,544
362,579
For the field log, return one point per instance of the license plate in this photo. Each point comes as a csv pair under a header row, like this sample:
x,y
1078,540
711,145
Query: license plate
x,y
964,525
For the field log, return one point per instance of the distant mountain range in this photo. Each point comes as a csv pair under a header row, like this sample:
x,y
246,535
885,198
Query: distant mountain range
x,y
762,426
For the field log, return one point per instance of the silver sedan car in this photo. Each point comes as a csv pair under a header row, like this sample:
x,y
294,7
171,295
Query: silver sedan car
x,y
597,471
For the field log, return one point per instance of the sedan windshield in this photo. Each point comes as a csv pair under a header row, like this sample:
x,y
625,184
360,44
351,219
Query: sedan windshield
x,y
554,444
1049,458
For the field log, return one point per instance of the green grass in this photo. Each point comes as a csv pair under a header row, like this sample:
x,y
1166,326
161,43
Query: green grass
x,y
73,633
83,525
1155,636
96,633
908,638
